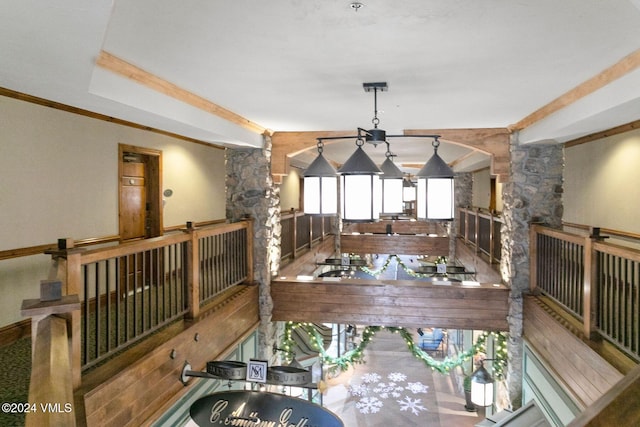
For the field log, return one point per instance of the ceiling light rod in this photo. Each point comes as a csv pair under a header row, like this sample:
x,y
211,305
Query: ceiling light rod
x,y
376,135
362,131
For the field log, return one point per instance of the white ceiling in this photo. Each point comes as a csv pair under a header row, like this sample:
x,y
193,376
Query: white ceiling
x,y
296,65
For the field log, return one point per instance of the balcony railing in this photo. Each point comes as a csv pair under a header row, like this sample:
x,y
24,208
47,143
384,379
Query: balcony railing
x,y
131,290
597,281
481,230
299,231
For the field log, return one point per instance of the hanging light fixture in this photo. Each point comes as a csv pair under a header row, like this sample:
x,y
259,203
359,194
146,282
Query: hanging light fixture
x,y
435,196
481,387
408,191
320,186
360,186
360,179
376,135
391,179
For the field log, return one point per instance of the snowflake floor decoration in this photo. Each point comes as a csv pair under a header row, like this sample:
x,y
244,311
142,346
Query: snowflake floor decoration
x,y
369,405
411,404
373,393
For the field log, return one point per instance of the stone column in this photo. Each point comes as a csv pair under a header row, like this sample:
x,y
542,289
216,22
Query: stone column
x,y
250,191
533,194
463,199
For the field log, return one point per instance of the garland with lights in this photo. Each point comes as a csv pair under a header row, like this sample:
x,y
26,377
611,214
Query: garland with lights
x,y
410,272
356,356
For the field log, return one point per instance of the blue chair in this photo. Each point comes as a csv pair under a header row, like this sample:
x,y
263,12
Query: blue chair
x,y
433,343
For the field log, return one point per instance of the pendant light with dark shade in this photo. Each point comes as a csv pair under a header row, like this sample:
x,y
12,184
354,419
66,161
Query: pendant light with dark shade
x,y
435,192
320,186
360,188
392,181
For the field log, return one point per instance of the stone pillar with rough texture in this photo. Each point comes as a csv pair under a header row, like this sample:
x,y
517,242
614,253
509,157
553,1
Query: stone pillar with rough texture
x,y
533,194
463,199
251,192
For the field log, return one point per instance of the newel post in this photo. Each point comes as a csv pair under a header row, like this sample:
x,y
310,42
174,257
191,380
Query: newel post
x,y
249,221
193,272
533,258
67,268
590,291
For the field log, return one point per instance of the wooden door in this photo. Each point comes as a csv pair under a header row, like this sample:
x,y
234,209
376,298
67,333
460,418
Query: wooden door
x,y
140,208
140,213
133,199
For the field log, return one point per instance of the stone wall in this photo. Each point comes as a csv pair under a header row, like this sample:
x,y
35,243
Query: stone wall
x,y
250,192
463,192
533,194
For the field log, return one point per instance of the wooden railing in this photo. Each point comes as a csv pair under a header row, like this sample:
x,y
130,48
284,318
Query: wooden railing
x,y
130,290
51,400
482,230
300,231
224,258
598,282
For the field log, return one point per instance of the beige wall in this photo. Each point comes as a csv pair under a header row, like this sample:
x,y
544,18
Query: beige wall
x,y
602,183
290,190
59,178
482,188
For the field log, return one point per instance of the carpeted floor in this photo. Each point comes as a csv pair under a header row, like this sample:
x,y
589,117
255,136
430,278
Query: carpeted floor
x,y
15,374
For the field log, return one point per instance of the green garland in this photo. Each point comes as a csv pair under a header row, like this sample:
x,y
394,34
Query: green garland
x,y
410,272
356,355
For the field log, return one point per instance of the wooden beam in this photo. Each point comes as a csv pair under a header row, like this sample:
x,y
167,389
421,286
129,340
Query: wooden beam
x,y
600,80
285,145
604,134
492,141
119,66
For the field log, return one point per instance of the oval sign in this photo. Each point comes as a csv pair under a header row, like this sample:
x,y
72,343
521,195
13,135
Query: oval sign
x,y
260,409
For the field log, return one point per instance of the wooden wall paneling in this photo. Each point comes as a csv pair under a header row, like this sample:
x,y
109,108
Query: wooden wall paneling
x,y
394,244
394,303
618,407
585,375
399,226
137,392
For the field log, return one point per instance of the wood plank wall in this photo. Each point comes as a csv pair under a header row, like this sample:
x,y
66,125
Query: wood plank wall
x,y
584,374
394,244
391,303
136,393
618,407
397,226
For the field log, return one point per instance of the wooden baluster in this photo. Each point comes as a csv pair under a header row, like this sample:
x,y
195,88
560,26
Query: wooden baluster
x,y
193,272
590,290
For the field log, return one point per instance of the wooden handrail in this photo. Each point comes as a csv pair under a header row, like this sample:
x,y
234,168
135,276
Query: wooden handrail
x,y
40,249
51,389
608,231
89,241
